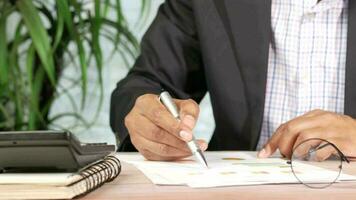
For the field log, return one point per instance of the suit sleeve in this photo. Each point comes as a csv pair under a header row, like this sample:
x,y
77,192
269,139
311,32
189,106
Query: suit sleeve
x,y
170,59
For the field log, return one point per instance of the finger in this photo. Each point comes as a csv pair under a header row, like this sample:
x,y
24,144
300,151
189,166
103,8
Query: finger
x,y
152,132
285,135
345,147
203,145
308,134
290,130
154,157
156,134
286,143
271,146
150,107
306,140
159,149
302,150
189,112
188,107
324,152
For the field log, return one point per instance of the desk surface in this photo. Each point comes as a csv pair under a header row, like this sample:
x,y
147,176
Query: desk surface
x,y
132,184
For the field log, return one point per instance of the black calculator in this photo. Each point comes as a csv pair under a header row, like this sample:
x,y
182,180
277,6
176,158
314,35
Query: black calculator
x,y
48,151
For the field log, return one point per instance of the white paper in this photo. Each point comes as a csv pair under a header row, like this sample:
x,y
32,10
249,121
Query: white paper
x,y
225,169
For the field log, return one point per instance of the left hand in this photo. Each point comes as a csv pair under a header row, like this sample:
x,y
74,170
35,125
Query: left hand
x,y
337,129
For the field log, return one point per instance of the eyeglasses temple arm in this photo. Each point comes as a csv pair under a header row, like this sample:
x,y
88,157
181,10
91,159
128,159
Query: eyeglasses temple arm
x,y
342,155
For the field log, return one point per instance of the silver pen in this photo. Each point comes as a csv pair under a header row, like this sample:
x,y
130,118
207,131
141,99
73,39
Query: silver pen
x,y
168,102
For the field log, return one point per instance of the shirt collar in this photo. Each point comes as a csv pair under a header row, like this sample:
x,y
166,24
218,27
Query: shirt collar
x,y
323,5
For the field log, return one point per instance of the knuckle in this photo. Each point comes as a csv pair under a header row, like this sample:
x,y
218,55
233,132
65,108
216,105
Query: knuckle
x,y
156,115
286,150
192,105
128,120
289,127
329,116
181,145
280,128
158,134
319,156
140,99
148,155
164,149
134,141
143,98
317,111
175,128
283,151
305,135
348,118
192,102
156,130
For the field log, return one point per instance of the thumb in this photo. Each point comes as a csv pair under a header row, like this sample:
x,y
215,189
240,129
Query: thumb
x,y
202,144
189,112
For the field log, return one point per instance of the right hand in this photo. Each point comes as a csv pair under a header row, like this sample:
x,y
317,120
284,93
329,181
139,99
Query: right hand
x,y
156,134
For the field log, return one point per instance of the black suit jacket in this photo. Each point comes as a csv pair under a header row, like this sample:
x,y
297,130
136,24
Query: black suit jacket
x,y
220,46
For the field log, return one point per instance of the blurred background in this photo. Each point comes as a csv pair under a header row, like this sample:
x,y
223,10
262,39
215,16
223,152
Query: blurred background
x,y
93,45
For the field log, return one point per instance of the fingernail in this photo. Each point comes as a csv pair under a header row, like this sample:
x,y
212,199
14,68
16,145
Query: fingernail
x,y
185,135
203,146
189,121
263,153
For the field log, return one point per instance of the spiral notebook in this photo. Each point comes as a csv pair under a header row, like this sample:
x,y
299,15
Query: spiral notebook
x,y
59,185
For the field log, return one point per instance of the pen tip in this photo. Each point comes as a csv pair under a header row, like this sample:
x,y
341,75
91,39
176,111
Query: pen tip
x,y
206,165
202,159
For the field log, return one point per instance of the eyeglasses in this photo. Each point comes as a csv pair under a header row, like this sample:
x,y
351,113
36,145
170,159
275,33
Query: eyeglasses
x,y
320,154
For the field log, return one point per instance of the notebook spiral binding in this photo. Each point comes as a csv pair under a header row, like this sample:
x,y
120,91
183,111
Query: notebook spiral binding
x,y
99,173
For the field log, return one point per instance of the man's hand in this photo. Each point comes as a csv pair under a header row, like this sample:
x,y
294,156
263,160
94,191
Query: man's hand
x,y
156,134
337,129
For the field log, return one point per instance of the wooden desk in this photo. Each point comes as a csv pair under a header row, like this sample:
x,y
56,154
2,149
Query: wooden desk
x,y
132,184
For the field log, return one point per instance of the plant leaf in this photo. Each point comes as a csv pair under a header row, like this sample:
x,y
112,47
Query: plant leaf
x,y
35,87
59,28
15,72
3,51
39,36
63,6
145,9
96,26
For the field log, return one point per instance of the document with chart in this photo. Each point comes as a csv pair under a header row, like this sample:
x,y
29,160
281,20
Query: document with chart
x,y
225,169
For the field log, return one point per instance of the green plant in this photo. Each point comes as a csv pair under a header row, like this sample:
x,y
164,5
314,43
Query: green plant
x,y
39,39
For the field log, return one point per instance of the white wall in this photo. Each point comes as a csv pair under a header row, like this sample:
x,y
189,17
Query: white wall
x,y
115,70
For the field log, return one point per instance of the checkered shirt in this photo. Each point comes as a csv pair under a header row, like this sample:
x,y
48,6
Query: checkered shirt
x,y
307,58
